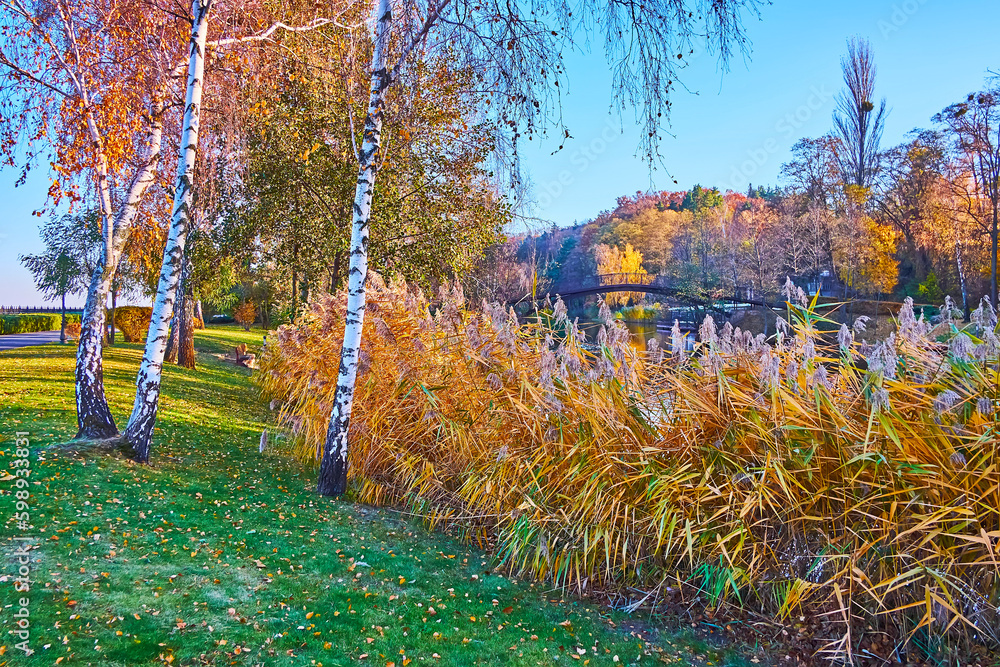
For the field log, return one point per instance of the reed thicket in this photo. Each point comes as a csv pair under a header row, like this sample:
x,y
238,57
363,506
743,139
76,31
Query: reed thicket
x,y
799,475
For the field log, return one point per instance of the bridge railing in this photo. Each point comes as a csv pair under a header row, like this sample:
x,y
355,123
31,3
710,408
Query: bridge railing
x,y
643,282
606,279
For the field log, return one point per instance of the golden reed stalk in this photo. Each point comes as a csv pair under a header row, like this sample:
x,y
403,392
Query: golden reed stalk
x,y
808,473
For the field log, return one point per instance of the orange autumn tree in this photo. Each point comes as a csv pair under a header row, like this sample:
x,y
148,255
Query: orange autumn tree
x,y
613,260
245,315
864,249
84,86
878,268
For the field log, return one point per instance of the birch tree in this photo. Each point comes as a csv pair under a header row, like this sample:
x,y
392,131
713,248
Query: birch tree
x,y
516,50
139,430
85,82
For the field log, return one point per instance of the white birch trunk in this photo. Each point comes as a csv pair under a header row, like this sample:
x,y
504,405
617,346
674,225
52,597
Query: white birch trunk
x,y
94,419
139,431
961,277
333,468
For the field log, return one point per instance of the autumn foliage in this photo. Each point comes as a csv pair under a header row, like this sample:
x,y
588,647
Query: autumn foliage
x,y
612,260
245,314
133,322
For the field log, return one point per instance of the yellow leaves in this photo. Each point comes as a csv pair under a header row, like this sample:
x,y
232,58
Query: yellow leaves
x,y
304,155
612,260
864,252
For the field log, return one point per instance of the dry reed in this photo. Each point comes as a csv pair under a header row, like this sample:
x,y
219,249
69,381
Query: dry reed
x,y
796,475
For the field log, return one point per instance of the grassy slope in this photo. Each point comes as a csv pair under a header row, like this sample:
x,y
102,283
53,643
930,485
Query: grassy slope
x,y
216,554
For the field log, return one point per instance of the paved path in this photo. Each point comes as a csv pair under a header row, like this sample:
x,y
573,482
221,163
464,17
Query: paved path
x,y
11,341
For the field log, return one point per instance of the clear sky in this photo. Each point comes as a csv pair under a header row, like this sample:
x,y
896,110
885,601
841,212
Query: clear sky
x,y
729,129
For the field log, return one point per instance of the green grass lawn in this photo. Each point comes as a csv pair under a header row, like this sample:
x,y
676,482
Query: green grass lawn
x,y
217,554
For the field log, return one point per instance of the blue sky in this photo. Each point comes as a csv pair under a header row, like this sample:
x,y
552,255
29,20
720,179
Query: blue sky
x,y
729,130
736,128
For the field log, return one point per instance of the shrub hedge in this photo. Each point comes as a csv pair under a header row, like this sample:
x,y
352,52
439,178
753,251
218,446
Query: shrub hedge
x,y
30,323
133,322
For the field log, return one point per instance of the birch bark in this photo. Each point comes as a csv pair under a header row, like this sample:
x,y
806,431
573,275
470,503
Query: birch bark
x,y
333,467
94,419
139,431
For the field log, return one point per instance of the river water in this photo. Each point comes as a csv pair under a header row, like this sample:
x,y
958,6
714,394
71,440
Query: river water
x,y
642,332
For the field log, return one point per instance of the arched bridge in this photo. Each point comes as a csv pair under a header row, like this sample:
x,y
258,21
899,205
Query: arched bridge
x,y
647,283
